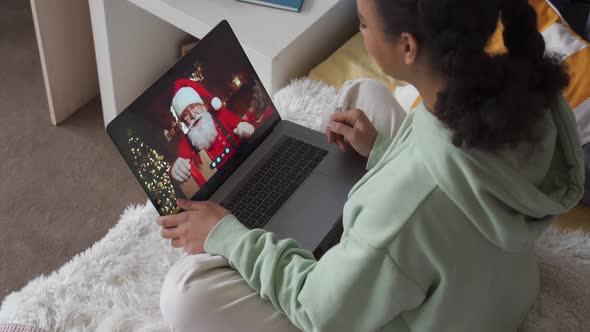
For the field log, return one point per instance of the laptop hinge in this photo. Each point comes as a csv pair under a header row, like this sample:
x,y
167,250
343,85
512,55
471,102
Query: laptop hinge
x,y
331,239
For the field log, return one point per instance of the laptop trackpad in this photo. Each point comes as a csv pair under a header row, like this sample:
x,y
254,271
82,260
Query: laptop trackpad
x,y
312,211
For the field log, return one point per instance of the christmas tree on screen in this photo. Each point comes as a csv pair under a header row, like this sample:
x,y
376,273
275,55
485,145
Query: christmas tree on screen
x,y
152,170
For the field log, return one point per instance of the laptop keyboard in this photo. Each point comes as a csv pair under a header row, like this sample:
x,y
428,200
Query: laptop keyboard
x,y
276,177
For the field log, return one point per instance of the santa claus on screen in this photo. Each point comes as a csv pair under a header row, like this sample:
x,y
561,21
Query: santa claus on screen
x,y
206,147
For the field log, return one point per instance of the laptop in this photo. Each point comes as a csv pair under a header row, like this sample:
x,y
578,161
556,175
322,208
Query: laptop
x,y
208,130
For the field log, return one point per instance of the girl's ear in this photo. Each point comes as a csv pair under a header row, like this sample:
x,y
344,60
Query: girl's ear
x,y
410,46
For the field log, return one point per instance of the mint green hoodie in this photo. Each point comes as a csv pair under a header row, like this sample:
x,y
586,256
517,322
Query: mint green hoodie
x,y
436,238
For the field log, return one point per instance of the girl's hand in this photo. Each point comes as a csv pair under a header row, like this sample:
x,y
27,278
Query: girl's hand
x,y
190,229
355,126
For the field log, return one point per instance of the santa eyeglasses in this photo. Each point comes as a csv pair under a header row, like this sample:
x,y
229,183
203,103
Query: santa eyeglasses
x,y
192,113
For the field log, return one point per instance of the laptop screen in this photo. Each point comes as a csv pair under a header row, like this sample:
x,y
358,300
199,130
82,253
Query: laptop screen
x,y
189,131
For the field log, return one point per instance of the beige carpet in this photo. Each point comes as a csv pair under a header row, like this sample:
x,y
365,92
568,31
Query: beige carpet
x,y
62,187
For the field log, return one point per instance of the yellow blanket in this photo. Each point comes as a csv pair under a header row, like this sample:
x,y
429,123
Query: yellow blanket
x,y
351,61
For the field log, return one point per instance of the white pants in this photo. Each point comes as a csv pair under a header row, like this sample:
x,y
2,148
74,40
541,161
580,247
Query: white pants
x,y
202,293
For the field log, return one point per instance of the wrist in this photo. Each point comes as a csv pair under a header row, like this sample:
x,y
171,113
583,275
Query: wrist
x,y
372,141
380,145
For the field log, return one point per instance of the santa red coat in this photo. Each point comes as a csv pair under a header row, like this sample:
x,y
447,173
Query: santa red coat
x,y
251,117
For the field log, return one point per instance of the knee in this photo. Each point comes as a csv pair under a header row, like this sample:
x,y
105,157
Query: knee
x,y
360,84
174,301
367,94
184,298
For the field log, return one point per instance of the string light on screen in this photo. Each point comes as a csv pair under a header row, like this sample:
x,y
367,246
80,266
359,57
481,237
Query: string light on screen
x,y
153,171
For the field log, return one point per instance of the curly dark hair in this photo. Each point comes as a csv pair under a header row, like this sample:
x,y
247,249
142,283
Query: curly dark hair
x,y
490,101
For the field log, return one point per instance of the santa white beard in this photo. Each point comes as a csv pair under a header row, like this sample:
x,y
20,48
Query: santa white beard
x,y
203,134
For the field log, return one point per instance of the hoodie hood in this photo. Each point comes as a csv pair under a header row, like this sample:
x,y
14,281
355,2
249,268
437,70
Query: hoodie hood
x,y
512,195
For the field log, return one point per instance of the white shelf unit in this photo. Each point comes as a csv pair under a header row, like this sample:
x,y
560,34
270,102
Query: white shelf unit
x,y
137,40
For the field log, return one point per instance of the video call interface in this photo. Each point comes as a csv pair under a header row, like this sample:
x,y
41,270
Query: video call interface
x,y
182,138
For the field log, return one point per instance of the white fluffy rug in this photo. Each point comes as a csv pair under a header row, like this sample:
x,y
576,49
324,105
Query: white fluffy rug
x,y
115,284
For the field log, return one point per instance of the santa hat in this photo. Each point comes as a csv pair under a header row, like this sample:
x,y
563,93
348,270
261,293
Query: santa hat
x,y
187,92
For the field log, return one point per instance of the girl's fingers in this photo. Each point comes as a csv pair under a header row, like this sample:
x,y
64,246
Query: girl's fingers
x,y
331,137
170,233
337,139
342,129
177,243
347,117
341,143
191,205
171,220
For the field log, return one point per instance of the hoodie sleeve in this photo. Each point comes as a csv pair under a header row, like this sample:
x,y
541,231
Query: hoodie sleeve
x,y
354,287
379,147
